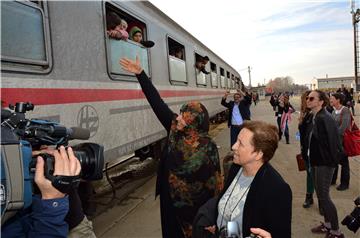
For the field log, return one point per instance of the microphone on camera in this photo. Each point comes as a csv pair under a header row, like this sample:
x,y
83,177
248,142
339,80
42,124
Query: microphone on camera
x,y
78,133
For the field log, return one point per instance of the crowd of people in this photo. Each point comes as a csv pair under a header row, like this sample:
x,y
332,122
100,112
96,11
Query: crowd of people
x,y
324,117
195,201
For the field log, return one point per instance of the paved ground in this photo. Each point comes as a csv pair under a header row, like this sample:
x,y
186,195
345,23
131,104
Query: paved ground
x,y
138,215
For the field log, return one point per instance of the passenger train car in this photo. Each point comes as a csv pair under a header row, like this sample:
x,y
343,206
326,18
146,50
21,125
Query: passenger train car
x,y
58,56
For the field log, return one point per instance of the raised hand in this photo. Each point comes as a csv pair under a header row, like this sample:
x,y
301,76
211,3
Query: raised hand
x,y
131,66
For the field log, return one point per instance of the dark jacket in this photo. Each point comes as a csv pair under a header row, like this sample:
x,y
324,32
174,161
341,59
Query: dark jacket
x,y
304,128
244,107
45,218
268,205
325,146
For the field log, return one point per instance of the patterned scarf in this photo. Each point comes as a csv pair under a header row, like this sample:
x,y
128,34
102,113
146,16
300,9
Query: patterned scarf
x,y
194,169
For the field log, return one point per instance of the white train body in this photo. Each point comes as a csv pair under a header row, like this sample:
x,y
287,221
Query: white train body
x,y
67,66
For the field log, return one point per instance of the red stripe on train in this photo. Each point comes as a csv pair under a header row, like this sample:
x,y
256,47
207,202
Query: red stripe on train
x,y
48,96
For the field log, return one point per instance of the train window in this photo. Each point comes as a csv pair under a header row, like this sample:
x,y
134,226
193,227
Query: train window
x,y
28,47
237,83
232,81
228,79
177,65
199,70
222,78
124,47
214,76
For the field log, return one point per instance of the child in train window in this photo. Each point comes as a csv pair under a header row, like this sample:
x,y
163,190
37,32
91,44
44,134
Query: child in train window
x,y
116,27
137,36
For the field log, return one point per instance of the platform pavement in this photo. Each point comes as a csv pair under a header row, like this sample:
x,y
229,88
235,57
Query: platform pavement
x,y
139,216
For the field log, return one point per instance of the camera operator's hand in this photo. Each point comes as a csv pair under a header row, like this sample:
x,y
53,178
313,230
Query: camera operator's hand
x,y
65,164
260,233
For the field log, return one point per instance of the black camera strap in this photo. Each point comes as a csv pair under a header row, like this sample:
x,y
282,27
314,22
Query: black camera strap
x,y
64,183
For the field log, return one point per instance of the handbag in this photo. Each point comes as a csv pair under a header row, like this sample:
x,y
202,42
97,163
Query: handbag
x,y
300,162
352,139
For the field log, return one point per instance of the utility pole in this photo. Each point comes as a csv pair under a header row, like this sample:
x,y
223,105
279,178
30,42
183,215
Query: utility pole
x,y
355,19
249,70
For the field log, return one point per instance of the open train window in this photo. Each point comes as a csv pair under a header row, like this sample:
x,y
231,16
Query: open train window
x,y
228,79
200,68
222,78
232,81
121,43
177,65
213,75
237,83
25,38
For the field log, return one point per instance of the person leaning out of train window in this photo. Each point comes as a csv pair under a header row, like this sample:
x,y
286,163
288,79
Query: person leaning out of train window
x,y
116,27
255,195
189,170
178,53
137,36
201,63
46,217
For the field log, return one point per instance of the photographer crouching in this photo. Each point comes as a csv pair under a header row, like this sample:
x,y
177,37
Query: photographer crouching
x,y
45,217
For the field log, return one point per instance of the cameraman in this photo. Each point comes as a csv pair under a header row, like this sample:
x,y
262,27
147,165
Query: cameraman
x,y
45,217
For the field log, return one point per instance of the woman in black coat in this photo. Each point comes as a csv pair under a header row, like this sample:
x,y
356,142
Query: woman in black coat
x,y
255,195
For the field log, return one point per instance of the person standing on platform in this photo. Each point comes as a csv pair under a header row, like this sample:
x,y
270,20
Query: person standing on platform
x,y
305,126
324,153
239,111
189,169
342,117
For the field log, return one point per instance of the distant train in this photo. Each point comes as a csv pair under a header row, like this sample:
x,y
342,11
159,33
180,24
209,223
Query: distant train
x,y
57,55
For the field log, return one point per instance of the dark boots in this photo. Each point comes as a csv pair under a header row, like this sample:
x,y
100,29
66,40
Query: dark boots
x,y
308,200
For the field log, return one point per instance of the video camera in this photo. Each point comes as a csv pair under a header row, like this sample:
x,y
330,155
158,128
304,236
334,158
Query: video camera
x,y
352,221
232,230
19,136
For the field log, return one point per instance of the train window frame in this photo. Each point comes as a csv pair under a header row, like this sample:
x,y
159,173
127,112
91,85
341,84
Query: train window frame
x,y
123,11
24,65
176,82
201,85
222,74
228,80
214,65
232,81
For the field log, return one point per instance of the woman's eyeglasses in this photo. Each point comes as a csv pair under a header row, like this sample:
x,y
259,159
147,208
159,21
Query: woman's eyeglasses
x,y
310,98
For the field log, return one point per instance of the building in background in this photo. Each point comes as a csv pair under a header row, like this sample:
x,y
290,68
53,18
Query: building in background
x,y
259,90
334,83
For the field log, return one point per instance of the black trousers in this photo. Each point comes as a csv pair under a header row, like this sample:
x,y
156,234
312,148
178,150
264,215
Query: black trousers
x,y
234,132
345,171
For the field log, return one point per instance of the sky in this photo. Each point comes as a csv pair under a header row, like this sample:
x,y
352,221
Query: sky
x,y
297,38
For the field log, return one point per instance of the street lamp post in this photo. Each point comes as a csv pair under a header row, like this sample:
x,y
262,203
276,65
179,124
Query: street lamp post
x,y
355,19
249,70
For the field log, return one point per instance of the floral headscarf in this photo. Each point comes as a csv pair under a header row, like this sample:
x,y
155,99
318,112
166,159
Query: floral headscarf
x,y
194,167
196,118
